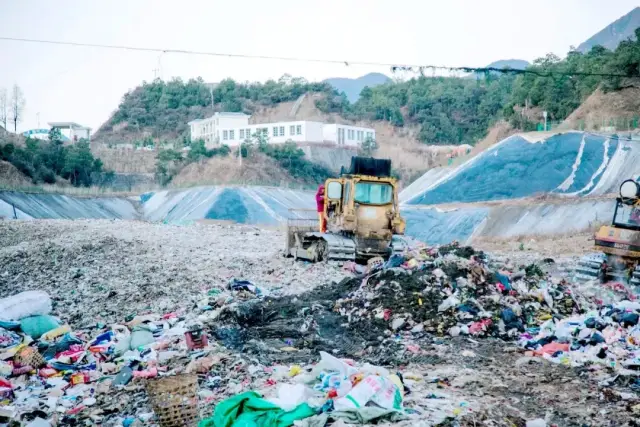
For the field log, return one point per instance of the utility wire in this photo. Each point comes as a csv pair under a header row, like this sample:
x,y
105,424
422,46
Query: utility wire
x,y
394,67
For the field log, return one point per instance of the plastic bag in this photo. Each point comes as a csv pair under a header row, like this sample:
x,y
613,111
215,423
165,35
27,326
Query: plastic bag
x,y
450,302
290,396
36,326
122,337
379,390
25,304
329,363
141,336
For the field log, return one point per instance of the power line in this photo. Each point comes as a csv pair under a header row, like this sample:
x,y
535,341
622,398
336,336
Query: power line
x,y
394,67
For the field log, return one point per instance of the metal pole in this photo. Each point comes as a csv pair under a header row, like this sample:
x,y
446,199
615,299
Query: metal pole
x,y
15,215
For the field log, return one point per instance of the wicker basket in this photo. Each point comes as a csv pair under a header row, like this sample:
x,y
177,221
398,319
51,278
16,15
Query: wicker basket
x,y
29,356
175,400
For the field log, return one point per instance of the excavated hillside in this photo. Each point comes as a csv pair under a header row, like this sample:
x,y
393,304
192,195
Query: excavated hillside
x,y
228,170
603,110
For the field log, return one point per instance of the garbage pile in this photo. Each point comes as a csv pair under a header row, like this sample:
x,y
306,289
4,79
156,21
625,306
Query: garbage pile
x,y
253,355
607,336
51,374
127,374
428,292
452,291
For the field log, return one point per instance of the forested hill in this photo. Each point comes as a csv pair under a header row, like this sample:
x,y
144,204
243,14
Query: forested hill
x,y
164,108
446,110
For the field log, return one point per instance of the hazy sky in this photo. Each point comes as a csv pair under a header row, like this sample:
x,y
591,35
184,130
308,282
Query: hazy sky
x,y
85,85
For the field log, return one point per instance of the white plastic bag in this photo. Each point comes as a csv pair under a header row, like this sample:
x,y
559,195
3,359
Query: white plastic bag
x,y
329,363
379,390
122,338
450,302
25,304
360,395
290,396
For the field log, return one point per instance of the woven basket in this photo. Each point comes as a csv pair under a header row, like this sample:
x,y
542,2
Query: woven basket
x,y
29,356
175,400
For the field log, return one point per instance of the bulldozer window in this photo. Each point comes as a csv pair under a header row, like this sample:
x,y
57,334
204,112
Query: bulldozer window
x,y
627,216
347,192
334,190
373,193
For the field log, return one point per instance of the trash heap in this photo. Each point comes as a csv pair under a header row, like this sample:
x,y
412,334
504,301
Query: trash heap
x,y
254,355
607,336
452,291
164,369
121,374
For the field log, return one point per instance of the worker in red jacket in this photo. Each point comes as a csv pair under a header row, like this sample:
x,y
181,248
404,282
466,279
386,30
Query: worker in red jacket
x,y
320,206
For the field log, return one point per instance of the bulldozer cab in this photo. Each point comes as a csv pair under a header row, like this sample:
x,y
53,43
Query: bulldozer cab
x,y
362,203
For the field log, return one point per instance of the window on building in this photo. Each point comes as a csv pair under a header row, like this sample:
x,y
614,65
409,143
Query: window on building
x,y
241,133
232,135
265,132
370,135
299,130
281,130
275,131
225,135
248,133
292,130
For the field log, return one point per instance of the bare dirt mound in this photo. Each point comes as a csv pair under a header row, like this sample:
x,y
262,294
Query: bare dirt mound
x,y
601,108
10,176
258,169
121,160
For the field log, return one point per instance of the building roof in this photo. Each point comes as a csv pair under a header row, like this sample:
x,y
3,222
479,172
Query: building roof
x,y
67,125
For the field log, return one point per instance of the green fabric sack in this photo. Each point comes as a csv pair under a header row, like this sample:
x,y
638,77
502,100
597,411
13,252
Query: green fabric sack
x,y
249,409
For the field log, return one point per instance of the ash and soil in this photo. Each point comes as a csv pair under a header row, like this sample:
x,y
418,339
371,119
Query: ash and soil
x,y
103,271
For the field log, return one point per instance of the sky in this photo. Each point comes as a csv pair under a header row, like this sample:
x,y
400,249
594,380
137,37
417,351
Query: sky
x,y
85,85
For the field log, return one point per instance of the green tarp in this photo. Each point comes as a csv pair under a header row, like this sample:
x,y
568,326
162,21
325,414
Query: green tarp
x,y
249,409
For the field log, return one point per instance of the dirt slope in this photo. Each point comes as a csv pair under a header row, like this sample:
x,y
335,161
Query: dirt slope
x,y
125,160
10,176
600,109
226,170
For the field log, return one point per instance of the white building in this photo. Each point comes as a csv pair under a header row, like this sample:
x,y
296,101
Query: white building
x,y
72,130
350,136
209,129
233,129
275,133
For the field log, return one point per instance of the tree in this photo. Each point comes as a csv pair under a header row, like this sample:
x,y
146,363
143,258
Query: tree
x,y
17,106
368,146
55,136
4,108
79,164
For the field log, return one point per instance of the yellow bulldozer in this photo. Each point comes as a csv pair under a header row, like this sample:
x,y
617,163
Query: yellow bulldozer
x,y
362,217
619,242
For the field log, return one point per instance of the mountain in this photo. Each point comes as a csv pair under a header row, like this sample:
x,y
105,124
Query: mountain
x,y
353,87
614,33
515,64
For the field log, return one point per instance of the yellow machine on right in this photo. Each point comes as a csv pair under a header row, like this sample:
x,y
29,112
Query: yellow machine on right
x,y
620,241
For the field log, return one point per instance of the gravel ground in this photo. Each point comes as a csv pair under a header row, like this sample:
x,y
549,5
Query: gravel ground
x,y
102,270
